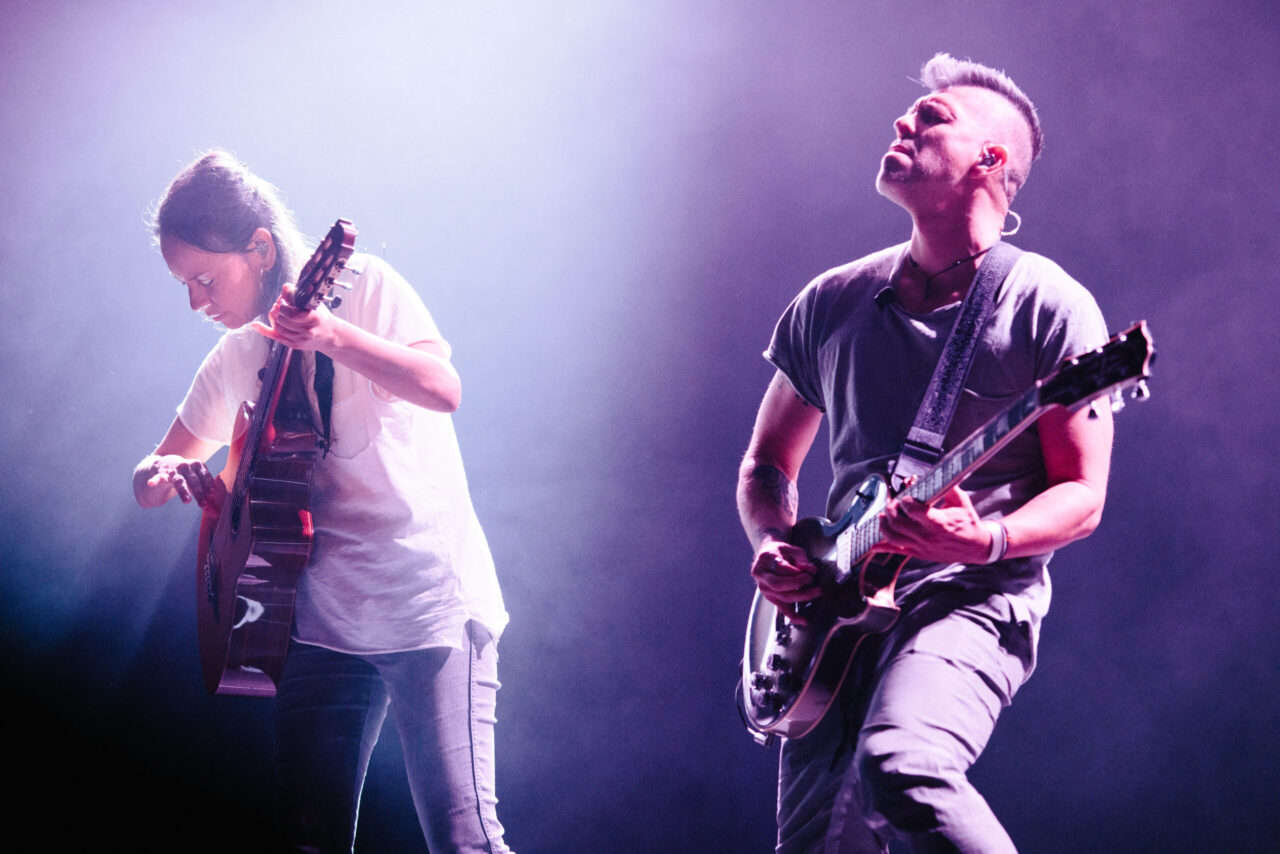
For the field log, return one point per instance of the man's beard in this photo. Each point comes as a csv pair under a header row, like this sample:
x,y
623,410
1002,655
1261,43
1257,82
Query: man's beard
x,y
891,176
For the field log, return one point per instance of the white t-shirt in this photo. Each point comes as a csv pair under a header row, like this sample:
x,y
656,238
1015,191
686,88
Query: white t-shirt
x,y
399,561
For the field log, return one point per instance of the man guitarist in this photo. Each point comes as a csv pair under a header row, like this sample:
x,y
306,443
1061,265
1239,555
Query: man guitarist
x,y
859,344
399,605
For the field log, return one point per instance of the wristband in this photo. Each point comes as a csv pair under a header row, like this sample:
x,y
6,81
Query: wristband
x,y
999,539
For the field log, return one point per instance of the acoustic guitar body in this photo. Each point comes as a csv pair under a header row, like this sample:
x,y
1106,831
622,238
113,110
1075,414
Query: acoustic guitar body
x,y
245,617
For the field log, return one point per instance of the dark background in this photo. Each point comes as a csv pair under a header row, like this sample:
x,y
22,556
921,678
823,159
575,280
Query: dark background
x,y
606,206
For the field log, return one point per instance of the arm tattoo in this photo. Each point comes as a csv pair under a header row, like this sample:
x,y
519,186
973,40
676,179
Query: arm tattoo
x,y
781,379
776,487
776,533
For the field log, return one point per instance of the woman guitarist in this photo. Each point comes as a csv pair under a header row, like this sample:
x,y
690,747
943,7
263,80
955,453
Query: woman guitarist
x,y
399,604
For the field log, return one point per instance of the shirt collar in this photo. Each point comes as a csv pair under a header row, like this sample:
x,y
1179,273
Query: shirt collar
x,y
888,294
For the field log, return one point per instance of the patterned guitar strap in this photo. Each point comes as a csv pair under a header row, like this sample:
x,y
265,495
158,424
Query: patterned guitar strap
x,y
324,395
923,447
295,409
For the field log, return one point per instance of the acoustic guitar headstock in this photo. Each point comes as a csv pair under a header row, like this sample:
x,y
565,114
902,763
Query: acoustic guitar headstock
x,y
316,280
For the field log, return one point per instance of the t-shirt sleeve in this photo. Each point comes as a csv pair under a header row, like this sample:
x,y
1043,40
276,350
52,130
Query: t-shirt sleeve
x,y
227,377
794,347
1072,324
1068,321
382,302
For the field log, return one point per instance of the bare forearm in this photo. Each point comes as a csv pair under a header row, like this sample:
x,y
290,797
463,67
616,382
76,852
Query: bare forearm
x,y
412,374
1060,515
784,430
767,496
1077,454
767,501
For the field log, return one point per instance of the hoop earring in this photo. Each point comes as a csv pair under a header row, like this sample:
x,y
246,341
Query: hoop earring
x,y
1017,223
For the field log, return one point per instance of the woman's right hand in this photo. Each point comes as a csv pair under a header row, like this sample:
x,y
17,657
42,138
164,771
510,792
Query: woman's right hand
x,y
160,477
176,467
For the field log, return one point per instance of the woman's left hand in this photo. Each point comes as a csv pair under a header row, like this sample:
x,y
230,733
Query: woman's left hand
x,y
296,327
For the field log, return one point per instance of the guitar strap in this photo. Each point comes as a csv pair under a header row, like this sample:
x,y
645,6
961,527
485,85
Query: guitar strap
x,y
294,408
324,394
923,447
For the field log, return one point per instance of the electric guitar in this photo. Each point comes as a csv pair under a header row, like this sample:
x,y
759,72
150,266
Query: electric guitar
x,y
253,550
791,672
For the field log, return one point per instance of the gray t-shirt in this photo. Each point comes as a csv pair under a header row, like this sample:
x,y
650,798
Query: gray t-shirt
x,y
849,348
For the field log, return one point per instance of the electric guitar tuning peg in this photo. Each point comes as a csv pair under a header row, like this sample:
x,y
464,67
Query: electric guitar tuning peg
x,y
1140,391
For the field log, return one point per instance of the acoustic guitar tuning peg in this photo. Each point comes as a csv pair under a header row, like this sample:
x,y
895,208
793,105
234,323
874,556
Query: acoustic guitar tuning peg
x,y
1140,391
333,301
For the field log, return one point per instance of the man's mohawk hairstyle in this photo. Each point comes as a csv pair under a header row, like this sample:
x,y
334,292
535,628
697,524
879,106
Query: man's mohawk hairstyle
x,y
944,71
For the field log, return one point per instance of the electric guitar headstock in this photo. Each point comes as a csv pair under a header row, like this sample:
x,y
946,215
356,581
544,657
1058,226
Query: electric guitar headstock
x,y
1122,362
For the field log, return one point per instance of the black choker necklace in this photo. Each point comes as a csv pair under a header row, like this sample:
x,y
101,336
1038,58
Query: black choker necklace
x,y
946,269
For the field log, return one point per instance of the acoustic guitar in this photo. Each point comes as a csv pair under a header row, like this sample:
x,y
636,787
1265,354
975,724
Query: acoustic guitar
x,y
253,550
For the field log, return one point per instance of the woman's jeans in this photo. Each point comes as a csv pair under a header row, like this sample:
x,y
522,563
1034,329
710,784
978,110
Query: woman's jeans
x,y
330,707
